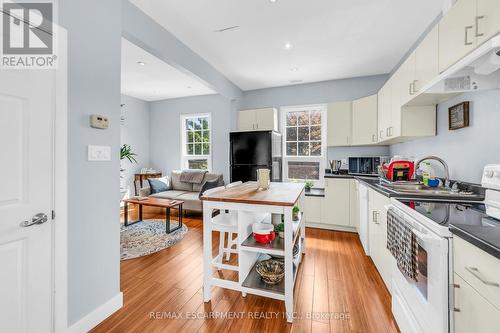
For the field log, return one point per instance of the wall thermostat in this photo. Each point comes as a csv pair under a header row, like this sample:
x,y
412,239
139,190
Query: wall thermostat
x,y
98,121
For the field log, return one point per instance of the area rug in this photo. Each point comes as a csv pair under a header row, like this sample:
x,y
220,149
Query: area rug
x,y
147,237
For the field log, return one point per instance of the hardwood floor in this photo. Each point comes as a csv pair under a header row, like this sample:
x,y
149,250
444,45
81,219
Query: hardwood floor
x,y
338,290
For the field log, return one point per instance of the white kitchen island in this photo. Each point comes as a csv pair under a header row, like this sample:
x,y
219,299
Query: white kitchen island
x,y
253,205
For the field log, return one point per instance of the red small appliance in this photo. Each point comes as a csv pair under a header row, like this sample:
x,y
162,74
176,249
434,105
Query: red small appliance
x,y
399,170
263,232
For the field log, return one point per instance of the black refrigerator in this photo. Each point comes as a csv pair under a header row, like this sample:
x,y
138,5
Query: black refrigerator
x,y
254,150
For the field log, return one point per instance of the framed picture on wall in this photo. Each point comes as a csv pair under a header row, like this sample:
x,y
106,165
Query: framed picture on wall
x,y
458,116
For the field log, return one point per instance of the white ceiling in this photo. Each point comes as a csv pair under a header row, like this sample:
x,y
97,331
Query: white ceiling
x,y
331,39
156,80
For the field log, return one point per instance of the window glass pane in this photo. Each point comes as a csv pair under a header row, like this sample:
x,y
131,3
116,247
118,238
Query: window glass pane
x,y
204,123
304,118
206,149
303,149
315,148
291,134
189,136
291,148
198,149
198,164
190,149
206,136
189,124
197,123
315,118
197,136
315,133
303,170
303,133
291,118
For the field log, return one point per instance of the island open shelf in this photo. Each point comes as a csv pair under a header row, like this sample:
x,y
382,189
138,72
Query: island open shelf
x,y
249,205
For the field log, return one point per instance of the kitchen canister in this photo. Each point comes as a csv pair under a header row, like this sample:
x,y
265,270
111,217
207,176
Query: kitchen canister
x,y
263,178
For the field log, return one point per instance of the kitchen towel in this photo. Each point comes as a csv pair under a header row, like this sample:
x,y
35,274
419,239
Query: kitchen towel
x,y
193,176
402,243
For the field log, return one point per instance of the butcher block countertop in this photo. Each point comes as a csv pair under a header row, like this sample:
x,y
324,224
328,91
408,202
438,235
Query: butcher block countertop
x,y
278,194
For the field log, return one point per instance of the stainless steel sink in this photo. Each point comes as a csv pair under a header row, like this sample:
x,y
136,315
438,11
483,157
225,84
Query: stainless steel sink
x,y
421,190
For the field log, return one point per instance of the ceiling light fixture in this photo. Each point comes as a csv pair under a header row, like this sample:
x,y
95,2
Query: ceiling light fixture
x,y
288,46
141,63
273,1
294,69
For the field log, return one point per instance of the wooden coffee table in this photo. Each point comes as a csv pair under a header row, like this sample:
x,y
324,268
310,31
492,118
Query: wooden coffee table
x,y
155,202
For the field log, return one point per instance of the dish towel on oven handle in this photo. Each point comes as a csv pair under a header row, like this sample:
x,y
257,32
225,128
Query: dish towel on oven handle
x,y
402,243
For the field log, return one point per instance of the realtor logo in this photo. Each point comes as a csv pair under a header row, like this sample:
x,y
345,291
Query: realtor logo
x,y
28,35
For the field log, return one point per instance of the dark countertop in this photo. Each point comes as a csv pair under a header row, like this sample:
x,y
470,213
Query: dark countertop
x,y
315,192
485,236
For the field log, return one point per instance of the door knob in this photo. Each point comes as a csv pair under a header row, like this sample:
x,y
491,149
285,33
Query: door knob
x,y
37,219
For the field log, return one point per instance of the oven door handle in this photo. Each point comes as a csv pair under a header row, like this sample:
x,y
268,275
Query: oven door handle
x,y
425,238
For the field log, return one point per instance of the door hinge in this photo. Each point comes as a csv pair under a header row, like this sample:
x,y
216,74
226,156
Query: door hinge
x,y
53,215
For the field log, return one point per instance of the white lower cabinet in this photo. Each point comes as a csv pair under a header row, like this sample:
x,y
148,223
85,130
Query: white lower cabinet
x,y
377,231
472,312
312,209
336,210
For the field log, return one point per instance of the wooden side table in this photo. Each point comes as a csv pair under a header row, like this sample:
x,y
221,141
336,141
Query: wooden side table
x,y
141,177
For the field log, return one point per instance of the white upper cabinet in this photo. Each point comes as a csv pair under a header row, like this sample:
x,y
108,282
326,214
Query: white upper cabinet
x,y
384,110
364,121
457,33
260,119
427,60
487,22
339,124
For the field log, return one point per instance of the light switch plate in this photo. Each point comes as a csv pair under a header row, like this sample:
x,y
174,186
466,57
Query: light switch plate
x,y
99,153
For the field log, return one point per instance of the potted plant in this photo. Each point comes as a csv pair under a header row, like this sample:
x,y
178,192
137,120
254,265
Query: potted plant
x,y
295,213
308,185
281,230
126,153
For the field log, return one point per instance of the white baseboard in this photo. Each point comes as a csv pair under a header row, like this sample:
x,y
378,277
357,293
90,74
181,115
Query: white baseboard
x,y
92,319
330,227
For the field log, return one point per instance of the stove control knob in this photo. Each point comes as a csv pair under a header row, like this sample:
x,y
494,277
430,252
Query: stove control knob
x,y
489,173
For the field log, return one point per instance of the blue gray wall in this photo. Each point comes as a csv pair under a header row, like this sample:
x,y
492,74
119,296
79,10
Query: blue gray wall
x,y
466,150
94,53
134,132
312,93
165,131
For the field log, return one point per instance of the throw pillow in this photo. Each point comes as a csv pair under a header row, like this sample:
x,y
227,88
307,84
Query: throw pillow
x,y
158,185
208,185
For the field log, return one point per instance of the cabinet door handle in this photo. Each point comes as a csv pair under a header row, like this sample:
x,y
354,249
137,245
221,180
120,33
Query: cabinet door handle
x,y
410,89
455,308
374,139
381,134
479,34
387,132
475,272
257,125
415,90
467,28
390,131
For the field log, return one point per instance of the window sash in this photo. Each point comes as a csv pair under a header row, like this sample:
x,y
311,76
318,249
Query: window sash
x,y
187,155
321,158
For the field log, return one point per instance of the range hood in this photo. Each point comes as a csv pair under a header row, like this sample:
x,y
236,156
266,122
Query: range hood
x,y
479,70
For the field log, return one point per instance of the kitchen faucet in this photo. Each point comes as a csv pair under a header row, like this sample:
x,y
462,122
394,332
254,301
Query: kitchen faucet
x,y
445,166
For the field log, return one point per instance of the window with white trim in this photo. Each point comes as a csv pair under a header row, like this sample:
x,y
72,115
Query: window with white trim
x,y
304,143
196,141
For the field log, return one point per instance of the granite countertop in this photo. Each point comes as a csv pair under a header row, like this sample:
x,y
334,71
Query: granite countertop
x,y
315,192
485,236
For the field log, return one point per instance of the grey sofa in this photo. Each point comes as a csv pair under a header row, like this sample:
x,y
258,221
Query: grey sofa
x,y
187,192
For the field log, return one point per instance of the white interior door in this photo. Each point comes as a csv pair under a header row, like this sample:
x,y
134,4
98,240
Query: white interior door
x,y
27,106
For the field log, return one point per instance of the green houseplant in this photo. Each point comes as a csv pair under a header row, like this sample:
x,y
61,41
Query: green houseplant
x,y
281,230
308,185
127,153
295,213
